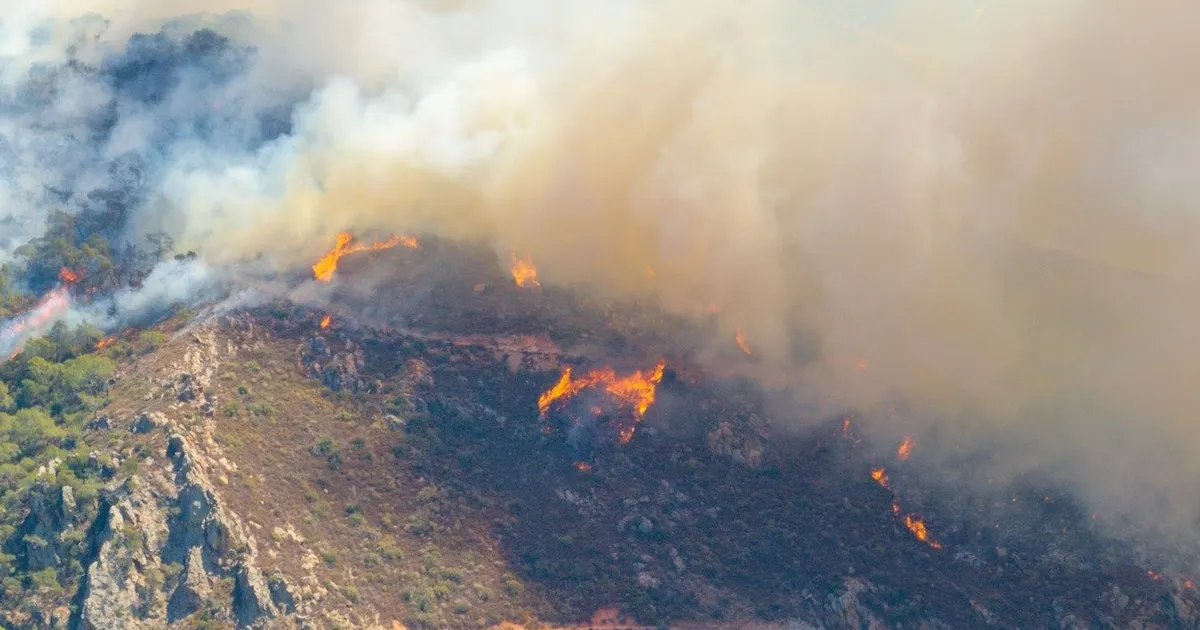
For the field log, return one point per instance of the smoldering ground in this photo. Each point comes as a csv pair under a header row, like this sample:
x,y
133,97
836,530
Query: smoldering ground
x,y
990,205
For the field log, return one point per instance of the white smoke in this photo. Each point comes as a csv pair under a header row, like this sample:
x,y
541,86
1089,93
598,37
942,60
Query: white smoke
x,y
990,203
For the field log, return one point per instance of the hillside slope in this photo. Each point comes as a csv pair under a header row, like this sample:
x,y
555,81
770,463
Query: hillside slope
x,y
265,470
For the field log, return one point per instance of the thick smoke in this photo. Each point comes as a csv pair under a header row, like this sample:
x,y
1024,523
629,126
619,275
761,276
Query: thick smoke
x,y
991,205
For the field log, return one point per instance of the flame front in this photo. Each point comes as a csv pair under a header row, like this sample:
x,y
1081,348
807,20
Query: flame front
x,y
326,321
740,338
105,342
67,275
905,449
918,529
638,391
324,268
523,272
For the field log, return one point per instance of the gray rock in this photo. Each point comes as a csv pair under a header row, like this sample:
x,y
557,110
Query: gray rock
x,y
252,597
147,422
194,588
68,502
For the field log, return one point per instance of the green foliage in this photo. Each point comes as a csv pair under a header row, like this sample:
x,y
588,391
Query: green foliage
x,y
152,339
46,394
45,580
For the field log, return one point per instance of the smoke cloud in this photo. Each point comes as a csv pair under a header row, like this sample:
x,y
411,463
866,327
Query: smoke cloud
x,y
991,206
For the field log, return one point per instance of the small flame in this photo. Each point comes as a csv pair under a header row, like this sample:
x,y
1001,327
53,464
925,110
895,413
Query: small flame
x,y
905,449
326,321
740,338
880,476
523,272
846,427
105,342
1154,576
67,275
638,390
325,267
583,467
861,364
916,525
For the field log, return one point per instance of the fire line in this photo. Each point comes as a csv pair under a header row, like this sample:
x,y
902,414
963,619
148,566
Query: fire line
x,y
324,268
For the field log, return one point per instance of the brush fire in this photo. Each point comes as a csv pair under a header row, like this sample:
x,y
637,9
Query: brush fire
x,y
523,271
324,268
633,395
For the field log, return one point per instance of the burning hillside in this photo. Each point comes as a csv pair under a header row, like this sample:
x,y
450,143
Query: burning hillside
x,y
693,315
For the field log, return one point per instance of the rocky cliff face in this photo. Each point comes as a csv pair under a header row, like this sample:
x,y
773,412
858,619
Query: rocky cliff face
x,y
165,546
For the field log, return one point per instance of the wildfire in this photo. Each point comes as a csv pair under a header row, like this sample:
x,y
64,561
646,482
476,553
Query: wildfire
x,y
846,427
583,467
637,390
326,321
105,342
67,275
905,449
740,338
880,476
918,529
325,267
47,310
523,271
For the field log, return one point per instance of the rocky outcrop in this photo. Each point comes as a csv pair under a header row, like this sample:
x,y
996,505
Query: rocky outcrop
x,y
337,370
169,549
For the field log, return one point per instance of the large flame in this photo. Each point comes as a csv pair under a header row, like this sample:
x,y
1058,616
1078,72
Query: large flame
x,y
68,276
523,272
325,267
905,449
326,321
636,391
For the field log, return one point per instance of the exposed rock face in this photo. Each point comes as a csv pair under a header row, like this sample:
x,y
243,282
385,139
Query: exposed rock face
x,y
166,547
337,370
148,422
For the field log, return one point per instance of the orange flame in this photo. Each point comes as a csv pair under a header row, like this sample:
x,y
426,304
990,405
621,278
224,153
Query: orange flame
x,y
105,342
523,272
583,467
846,427
741,342
325,267
326,321
67,275
905,449
637,390
918,529
880,476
